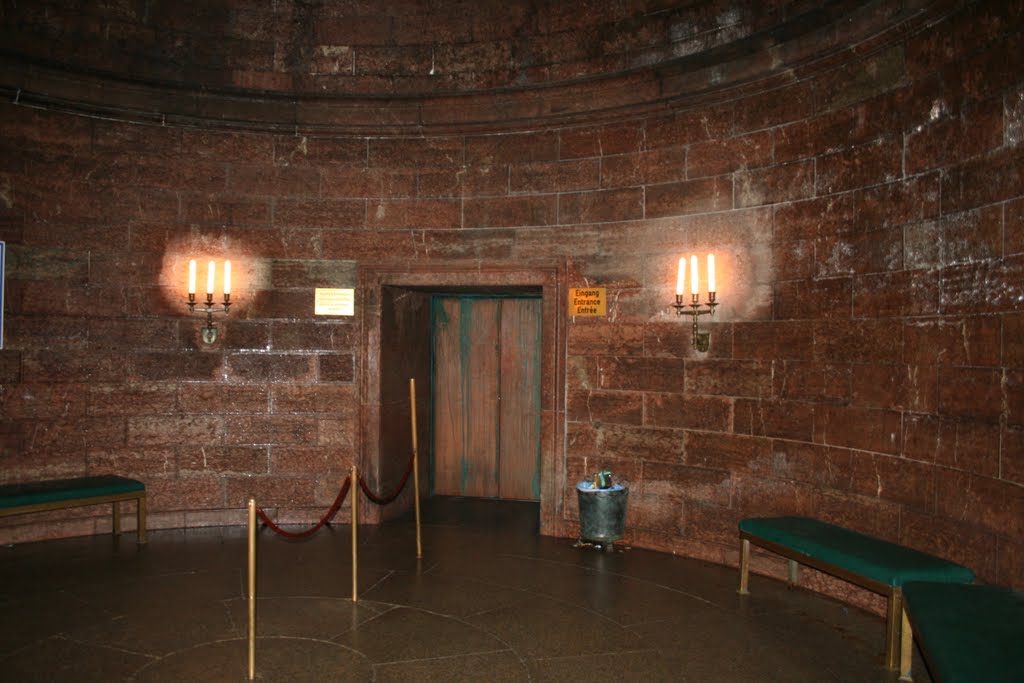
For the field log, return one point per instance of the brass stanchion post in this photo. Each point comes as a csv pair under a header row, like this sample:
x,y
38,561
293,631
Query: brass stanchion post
x,y
252,588
415,465
355,533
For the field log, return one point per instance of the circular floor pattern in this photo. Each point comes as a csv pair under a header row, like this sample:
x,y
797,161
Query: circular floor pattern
x,y
226,661
490,601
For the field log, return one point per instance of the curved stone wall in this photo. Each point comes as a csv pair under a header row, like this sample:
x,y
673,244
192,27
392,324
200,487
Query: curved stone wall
x,y
865,364
319,68
369,48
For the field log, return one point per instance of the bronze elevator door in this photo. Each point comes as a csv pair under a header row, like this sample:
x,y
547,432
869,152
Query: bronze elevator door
x,y
487,397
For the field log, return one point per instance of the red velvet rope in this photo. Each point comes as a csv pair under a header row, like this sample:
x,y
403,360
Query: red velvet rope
x,y
379,500
384,500
323,520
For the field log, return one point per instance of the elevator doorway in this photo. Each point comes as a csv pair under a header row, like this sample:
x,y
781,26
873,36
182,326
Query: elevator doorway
x,y
486,381
394,303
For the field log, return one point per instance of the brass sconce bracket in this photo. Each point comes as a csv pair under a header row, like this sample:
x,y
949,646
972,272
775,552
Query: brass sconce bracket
x,y
701,340
210,329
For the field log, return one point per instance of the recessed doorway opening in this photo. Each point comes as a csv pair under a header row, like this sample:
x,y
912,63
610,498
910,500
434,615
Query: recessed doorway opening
x,y
483,348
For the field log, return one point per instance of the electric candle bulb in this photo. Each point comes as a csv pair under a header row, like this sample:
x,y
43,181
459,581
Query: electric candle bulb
x,y
192,276
680,279
227,277
711,272
209,277
693,275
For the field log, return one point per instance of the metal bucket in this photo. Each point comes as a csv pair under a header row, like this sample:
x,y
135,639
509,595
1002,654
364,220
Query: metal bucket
x,y
602,512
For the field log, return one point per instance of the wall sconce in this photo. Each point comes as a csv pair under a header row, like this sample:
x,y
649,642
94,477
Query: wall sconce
x,y
208,307
701,340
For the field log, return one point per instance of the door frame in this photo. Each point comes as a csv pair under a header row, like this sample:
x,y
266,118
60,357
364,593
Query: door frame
x,y
439,277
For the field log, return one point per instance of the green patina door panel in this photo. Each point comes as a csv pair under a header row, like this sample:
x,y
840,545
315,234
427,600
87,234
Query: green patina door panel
x,y
486,390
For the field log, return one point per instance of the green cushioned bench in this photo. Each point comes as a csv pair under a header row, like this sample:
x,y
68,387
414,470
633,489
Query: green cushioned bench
x,y
968,633
866,561
56,494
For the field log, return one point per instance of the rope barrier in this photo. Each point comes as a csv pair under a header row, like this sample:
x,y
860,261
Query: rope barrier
x,y
384,500
253,511
323,520
379,500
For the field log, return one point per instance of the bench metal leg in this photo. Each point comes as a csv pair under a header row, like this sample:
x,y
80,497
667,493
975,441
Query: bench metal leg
x,y
744,566
906,647
794,572
116,517
140,515
893,621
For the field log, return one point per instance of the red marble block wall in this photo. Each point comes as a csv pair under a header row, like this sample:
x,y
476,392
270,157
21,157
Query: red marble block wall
x,y
866,364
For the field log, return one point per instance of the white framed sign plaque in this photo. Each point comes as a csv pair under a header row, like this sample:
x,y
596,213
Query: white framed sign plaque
x,y
334,302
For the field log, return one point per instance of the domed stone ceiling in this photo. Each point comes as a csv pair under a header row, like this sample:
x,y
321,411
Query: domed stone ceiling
x,y
360,64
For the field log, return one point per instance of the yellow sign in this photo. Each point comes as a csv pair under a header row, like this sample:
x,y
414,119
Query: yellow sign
x,y
334,302
588,301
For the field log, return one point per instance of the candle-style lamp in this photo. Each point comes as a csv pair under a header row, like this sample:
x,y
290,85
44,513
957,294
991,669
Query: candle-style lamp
x,y
209,307
701,340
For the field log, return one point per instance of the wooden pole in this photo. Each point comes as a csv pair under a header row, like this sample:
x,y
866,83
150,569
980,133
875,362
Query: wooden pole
x,y
415,466
252,588
355,534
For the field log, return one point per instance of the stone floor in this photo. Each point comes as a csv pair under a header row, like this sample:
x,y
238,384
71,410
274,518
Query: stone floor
x,y
490,601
